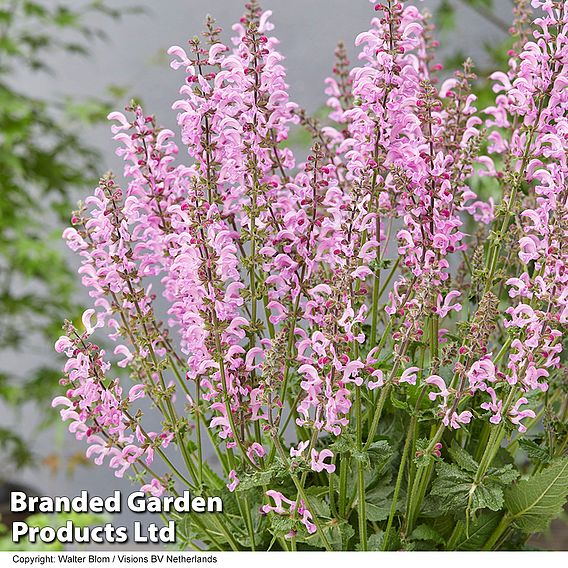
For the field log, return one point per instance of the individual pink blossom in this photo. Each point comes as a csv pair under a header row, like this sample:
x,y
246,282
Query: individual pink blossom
x,y
155,488
454,420
318,464
516,415
409,375
437,381
234,481
298,451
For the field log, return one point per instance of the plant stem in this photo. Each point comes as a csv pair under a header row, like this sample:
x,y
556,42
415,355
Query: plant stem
x,y
302,493
497,533
407,445
362,513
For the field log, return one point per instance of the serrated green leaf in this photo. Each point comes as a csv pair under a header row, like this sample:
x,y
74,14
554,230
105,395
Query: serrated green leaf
x,y
281,525
536,501
344,443
463,459
340,534
380,453
504,475
318,507
256,479
458,492
487,497
397,403
534,451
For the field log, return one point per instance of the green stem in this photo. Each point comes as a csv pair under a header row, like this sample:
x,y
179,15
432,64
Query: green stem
x,y
362,513
497,533
377,415
343,473
399,477
389,277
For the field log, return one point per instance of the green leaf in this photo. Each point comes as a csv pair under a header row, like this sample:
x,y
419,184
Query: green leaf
x,y
397,403
340,534
344,444
427,533
458,492
256,479
377,513
463,459
479,531
380,453
536,501
504,475
318,506
452,486
374,542
487,497
534,451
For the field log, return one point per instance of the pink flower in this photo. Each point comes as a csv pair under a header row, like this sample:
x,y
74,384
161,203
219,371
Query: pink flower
x,y
155,488
529,250
494,406
255,450
63,344
136,392
297,452
318,464
235,482
515,415
443,391
456,419
409,375
377,374
443,309
87,320
123,350
481,372
278,506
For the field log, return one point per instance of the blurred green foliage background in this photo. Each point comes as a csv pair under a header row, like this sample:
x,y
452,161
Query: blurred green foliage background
x,y
43,161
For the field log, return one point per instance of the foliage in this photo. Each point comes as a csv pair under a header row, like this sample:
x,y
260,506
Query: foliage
x,y
43,161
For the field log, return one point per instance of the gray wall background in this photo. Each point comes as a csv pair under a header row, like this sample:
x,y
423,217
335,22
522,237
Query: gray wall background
x,y
134,57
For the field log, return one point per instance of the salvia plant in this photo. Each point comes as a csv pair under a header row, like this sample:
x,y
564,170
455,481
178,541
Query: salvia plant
x,y
362,350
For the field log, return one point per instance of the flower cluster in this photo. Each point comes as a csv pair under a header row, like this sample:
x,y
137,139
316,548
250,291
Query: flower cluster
x,y
380,280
